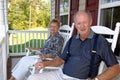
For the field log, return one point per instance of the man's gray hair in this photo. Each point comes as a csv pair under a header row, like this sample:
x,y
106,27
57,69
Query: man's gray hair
x,y
83,11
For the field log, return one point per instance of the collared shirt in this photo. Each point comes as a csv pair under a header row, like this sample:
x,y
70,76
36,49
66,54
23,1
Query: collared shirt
x,y
78,62
53,45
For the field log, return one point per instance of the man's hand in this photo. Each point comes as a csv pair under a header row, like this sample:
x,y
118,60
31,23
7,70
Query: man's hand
x,y
42,57
110,73
39,65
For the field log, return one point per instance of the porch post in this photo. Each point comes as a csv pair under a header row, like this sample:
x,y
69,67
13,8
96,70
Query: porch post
x,y
3,28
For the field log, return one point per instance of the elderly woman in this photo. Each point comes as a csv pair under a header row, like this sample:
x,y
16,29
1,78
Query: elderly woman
x,y
52,49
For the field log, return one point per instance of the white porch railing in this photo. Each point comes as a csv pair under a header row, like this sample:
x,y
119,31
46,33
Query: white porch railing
x,y
18,40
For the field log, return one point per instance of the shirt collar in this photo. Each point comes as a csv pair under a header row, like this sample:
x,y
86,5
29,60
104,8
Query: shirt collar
x,y
90,36
55,35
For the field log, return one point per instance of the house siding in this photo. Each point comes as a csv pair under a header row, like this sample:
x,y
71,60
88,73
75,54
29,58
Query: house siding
x,y
74,7
82,4
52,9
92,6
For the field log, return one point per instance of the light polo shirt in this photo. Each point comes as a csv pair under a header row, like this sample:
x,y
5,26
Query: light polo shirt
x,y
77,64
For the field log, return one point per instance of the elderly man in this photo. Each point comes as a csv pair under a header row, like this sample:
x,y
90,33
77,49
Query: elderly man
x,y
77,55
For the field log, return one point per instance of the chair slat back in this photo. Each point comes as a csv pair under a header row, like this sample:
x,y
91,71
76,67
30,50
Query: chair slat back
x,y
113,34
66,32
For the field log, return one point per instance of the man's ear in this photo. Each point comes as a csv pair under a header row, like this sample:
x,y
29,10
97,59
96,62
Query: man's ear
x,y
91,21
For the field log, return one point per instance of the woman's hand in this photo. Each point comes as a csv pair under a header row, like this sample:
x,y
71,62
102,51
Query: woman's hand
x,y
43,57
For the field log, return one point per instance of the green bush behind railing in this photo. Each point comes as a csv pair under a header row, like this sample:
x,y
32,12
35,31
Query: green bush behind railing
x,y
32,43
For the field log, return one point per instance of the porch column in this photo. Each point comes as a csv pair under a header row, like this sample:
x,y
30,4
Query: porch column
x,y
3,29
3,13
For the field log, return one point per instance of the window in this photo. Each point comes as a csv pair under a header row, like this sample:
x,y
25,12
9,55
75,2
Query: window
x,y
110,16
108,1
109,12
64,11
106,17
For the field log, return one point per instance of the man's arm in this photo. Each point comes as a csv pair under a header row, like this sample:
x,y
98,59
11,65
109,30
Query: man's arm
x,y
56,62
110,73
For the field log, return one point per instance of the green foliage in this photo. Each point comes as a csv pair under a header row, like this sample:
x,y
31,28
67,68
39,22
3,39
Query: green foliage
x,y
24,14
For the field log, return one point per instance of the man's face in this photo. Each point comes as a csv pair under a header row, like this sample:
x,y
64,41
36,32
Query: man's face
x,y
54,28
83,23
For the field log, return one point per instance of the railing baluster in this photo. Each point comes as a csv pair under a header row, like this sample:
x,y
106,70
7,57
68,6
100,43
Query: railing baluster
x,y
32,39
17,41
29,38
44,37
40,39
25,42
21,42
12,43
37,40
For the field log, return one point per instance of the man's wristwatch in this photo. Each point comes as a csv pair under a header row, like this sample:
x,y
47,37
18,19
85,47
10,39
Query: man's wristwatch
x,y
96,79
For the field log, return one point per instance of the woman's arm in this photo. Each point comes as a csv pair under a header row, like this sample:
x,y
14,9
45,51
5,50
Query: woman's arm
x,y
43,57
30,48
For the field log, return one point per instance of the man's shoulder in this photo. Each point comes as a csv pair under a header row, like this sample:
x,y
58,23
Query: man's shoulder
x,y
101,38
102,41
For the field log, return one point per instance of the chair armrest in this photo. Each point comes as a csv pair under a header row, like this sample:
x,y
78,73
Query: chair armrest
x,y
49,68
29,51
52,68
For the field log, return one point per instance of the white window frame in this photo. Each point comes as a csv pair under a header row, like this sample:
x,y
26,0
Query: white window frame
x,y
67,13
104,6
